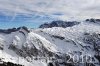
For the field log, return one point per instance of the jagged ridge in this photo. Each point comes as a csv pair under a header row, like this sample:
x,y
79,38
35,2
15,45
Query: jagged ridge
x,y
63,24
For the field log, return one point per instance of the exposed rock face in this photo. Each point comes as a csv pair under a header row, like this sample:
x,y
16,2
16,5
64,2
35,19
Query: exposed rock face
x,y
9,64
94,41
63,24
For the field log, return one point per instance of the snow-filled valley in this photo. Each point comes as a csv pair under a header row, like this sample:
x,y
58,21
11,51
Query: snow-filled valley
x,y
78,45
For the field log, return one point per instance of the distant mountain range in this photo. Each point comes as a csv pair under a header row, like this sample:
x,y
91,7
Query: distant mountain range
x,y
65,24
59,23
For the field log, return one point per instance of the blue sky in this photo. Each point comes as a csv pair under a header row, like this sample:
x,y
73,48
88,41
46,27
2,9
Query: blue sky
x,y
22,20
32,13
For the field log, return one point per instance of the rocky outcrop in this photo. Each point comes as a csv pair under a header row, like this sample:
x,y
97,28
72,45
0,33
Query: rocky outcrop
x,y
93,40
9,64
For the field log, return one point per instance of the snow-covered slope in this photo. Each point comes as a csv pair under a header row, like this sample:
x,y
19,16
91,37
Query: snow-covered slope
x,y
52,45
21,46
83,38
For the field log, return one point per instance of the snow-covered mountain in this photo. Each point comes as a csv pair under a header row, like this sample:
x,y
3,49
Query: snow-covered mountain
x,y
78,45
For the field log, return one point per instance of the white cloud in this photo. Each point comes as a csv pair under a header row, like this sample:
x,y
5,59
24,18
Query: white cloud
x,y
78,9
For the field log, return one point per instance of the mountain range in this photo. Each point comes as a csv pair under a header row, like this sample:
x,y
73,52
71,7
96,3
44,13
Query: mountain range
x,y
59,43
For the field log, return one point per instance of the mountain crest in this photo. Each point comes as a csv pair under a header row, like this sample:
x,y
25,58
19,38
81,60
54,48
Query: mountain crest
x,y
59,23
